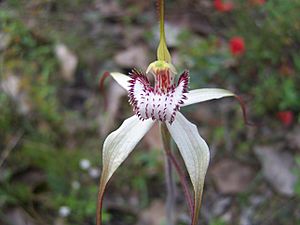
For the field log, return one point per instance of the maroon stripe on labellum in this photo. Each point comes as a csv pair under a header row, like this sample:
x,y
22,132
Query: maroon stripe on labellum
x,y
160,104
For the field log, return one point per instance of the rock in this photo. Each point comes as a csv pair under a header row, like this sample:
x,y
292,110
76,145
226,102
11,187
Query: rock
x,y
68,61
277,168
4,40
231,176
133,57
17,216
11,86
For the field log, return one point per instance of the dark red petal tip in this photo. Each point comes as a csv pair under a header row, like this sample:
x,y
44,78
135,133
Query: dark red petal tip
x,y
101,81
101,87
245,115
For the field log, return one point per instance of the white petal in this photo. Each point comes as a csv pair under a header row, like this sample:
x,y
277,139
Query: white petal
x,y
205,94
195,154
122,79
117,146
121,142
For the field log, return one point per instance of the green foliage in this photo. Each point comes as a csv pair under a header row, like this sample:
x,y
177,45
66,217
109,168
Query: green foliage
x,y
218,221
278,33
275,93
7,114
290,95
17,194
61,172
30,58
33,61
203,57
269,68
274,48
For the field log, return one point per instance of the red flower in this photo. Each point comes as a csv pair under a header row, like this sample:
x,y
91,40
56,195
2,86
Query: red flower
x,y
286,117
237,46
223,7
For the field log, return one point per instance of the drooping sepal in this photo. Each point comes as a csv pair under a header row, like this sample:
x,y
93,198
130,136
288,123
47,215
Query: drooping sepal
x,y
116,148
195,154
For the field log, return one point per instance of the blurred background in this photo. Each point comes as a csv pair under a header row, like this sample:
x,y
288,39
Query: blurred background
x,y
54,116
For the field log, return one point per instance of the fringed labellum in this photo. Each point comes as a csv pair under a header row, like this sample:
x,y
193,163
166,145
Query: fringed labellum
x,y
160,102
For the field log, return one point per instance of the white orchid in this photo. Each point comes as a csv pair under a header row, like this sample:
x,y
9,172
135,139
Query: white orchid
x,y
160,103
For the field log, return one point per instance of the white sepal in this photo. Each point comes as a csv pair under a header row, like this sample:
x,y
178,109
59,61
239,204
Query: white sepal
x,y
206,94
118,145
195,154
122,79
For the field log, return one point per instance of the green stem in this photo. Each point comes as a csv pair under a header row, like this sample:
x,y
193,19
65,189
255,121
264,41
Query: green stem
x,y
162,19
102,187
183,182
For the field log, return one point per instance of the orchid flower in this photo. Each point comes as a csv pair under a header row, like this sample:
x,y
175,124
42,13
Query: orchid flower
x,y
160,103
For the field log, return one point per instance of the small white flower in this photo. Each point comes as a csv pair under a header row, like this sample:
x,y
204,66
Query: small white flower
x,y
64,211
85,164
75,185
94,172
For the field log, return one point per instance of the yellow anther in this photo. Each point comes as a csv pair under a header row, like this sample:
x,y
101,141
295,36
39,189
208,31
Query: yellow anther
x,y
160,65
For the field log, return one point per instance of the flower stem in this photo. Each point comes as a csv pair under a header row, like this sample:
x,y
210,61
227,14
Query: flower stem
x,y
166,138
183,182
163,53
170,204
162,19
170,183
